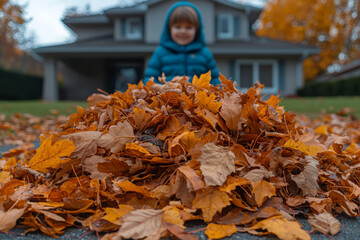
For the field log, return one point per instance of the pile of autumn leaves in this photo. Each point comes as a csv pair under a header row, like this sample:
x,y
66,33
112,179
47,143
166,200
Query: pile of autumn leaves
x,y
142,163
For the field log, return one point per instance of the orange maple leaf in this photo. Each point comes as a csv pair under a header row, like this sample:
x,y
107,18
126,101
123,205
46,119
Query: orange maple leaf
x,y
49,155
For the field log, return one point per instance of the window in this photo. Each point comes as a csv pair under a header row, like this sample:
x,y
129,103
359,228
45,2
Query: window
x,y
133,28
248,72
225,26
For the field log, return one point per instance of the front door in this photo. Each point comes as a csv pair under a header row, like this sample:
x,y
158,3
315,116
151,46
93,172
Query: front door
x,y
124,72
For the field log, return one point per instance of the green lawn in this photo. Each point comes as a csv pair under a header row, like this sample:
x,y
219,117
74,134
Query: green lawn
x,y
313,106
309,106
39,108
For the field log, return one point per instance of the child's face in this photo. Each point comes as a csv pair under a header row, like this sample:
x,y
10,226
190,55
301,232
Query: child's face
x,y
183,33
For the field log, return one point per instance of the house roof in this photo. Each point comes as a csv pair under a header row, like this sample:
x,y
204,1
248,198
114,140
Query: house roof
x,y
352,66
107,45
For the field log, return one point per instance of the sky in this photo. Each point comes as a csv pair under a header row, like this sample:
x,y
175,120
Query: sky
x,y
45,17
45,24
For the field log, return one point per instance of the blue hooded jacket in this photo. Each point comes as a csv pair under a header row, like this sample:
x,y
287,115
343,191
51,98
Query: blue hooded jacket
x,y
179,60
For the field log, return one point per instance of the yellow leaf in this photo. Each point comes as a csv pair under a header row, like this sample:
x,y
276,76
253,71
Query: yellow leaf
x,y
203,81
210,201
299,145
321,130
128,186
218,231
49,155
113,215
172,215
282,228
135,150
261,190
208,102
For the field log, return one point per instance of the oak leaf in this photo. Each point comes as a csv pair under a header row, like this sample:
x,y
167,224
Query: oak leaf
x,y
282,228
210,201
216,164
262,190
141,223
218,231
117,137
49,154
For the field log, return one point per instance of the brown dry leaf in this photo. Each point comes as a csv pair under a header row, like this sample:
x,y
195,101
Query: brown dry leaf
x,y
258,174
191,175
282,228
91,165
216,164
262,190
117,168
141,223
85,143
210,201
49,155
218,231
8,219
325,223
231,111
178,232
119,135
233,182
307,179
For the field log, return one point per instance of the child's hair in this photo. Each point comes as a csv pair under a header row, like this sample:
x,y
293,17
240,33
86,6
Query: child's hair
x,y
184,14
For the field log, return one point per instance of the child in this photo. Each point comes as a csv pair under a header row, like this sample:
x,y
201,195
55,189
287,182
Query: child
x,y
182,49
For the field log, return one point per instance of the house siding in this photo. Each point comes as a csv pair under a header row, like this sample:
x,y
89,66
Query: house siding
x,y
290,77
241,22
93,32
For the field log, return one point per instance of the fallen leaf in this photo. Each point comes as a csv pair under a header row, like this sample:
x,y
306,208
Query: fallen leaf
x,y
307,179
119,135
210,201
49,155
141,223
216,164
282,228
8,219
218,231
325,223
262,190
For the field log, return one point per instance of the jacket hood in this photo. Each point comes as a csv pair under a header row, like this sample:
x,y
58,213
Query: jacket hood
x,y
166,40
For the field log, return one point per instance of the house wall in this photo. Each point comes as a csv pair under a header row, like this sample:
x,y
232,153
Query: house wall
x,y
156,14
241,16
291,76
83,77
353,73
84,33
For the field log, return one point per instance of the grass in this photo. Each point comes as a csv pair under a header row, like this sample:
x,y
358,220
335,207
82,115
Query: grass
x,y
310,106
314,106
39,108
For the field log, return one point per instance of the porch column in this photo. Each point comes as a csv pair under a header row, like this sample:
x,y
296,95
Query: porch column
x,y
299,73
50,86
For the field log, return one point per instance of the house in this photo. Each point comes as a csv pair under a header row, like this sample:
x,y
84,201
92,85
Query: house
x,y
113,48
351,69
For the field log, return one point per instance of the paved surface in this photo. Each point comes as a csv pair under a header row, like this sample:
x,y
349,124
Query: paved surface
x,y
350,228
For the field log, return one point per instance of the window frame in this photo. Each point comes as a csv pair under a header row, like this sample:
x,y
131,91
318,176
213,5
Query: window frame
x,y
230,34
256,66
132,36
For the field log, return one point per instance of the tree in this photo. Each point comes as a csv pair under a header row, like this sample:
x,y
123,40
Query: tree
x,y
12,23
333,26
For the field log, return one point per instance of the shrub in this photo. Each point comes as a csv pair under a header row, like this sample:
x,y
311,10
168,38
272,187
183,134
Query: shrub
x,y
19,86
